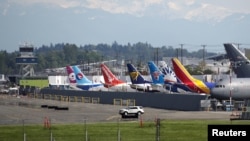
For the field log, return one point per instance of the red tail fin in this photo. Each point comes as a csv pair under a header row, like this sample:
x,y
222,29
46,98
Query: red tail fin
x,y
71,74
109,78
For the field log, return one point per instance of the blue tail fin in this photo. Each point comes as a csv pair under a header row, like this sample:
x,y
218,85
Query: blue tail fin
x,y
156,75
80,77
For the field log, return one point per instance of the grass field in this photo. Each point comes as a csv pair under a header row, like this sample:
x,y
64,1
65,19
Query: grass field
x,y
168,130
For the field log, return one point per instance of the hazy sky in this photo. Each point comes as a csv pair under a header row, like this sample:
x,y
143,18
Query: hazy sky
x,y
158,22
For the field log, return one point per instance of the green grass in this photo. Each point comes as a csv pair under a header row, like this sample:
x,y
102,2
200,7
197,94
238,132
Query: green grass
x,y
169,130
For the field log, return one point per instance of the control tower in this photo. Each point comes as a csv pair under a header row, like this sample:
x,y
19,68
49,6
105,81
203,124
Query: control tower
x,y
27,60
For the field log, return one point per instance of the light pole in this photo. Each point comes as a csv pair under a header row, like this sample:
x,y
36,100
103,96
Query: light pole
x,y
157,59
181,52
86,132
119,132
24,134
203,63
230,96
177,53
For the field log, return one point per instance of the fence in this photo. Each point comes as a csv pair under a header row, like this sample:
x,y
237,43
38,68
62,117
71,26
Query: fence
x,y
120,131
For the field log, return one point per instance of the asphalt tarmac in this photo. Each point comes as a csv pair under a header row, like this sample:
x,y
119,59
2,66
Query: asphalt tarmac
x,y
24,110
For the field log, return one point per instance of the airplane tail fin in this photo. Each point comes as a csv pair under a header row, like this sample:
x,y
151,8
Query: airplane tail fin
x,y
170,76
109,77
135,75
71,74
240,64
193,83
234,54
181,71
156,75
80,77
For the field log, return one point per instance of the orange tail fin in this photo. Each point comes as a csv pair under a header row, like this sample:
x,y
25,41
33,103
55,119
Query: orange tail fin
x,y
109,77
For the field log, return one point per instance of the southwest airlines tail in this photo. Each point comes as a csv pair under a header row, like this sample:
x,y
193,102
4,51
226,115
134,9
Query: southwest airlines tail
x,y
194,84
109,78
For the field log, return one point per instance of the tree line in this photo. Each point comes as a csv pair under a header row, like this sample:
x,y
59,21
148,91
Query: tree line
x,y
62,54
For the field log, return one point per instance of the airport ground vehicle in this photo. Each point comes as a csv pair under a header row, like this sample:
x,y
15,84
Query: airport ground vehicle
x,y
131,111
4,91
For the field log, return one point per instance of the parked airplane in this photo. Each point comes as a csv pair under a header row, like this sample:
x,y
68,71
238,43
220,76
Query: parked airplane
x,y
236,88
194,84
169,75
171,78
112,82
239,62
168,81
77,78
138,81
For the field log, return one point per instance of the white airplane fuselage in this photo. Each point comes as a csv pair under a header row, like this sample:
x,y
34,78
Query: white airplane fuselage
x,y
236,88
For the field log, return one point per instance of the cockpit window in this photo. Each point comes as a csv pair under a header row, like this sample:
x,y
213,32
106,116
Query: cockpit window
x,y
220,86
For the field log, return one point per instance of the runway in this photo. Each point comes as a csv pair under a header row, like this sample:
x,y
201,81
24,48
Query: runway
x,y
19,110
